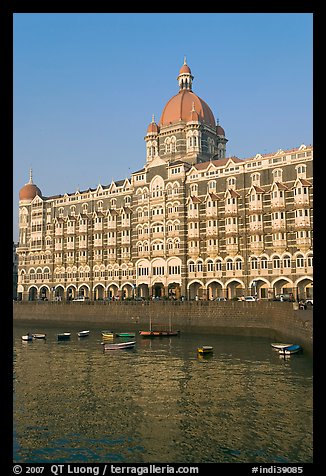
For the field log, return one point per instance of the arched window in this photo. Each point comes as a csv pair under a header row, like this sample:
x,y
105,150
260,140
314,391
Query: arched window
x,y
211,186
276,262
310,260
238,264
255,179
287,261
210,265
300,261
254,263
301,170
191,267
173,144
277,175
264,263
231,182
229,264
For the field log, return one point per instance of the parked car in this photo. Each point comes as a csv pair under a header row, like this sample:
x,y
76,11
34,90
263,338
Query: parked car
x,y
250,298
220,299
81,299
309,302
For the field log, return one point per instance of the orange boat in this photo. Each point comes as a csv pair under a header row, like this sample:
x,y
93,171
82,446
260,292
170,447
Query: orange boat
x,y
159,333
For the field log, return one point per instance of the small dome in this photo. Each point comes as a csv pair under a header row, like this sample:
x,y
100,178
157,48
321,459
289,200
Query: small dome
x,y
30,190
185,69
153,127
220,131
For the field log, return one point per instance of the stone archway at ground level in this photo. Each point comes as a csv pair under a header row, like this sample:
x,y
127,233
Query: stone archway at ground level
x,y
174,291
113,292
196,290
260,288
44,293
234,289
83,291
304,288
71,292
158,290
283,286
142,291
99,292
32,293
127,291
59,293
214,290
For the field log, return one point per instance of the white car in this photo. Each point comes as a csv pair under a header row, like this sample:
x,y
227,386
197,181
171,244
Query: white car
x,y
81,299
250,298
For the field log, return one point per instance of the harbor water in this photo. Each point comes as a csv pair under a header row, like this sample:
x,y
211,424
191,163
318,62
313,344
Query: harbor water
x,y
160,401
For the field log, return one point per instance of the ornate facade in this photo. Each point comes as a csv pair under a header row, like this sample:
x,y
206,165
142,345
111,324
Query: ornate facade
x,y
193,222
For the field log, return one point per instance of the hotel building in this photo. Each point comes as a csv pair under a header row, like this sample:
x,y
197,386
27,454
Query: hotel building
x,y
191,223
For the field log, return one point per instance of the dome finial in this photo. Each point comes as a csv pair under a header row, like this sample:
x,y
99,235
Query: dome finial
x,y
30,175
184,60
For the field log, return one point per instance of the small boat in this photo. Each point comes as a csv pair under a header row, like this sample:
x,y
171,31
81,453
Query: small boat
x,y
162,333
159,332
27,338
125,334
107,334
64,336
205,349
292,349
83,333
279,345
118,345
39,336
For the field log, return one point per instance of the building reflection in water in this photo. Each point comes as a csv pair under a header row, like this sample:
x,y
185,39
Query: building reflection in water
x,y
160,403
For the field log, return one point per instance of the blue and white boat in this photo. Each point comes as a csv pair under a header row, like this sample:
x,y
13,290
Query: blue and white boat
x,y
27,338
280,345
292,349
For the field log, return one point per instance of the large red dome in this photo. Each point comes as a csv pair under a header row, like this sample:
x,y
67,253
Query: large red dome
x,y
30,190
180,107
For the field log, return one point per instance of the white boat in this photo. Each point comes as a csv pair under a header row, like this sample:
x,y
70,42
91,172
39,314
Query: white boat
x,y
64,336
279,345
118,345
39,336
83,333
27,338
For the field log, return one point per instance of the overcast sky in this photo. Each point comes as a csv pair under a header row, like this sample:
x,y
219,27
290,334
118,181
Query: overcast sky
x,y
86,86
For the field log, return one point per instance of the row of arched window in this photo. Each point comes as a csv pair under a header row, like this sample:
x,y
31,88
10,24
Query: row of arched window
x,y
255,263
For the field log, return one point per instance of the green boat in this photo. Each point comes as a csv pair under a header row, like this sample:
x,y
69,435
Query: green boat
x,y
125,334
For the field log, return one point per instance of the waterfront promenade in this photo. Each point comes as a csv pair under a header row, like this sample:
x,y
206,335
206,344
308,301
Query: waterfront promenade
x,y
269,318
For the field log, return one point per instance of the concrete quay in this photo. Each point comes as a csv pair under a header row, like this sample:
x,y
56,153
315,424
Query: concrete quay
x,y
278,320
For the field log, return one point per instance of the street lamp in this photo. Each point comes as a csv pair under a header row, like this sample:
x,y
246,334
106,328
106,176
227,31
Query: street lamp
x,y
254,284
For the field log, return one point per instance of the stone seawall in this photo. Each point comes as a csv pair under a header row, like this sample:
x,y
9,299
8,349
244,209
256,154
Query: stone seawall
x,y
271,318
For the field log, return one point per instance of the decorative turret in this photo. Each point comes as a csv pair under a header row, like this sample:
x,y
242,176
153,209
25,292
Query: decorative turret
x,y
185,77
153,127
30,190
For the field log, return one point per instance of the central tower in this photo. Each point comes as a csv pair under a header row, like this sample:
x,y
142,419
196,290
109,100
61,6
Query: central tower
x,y
187,129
